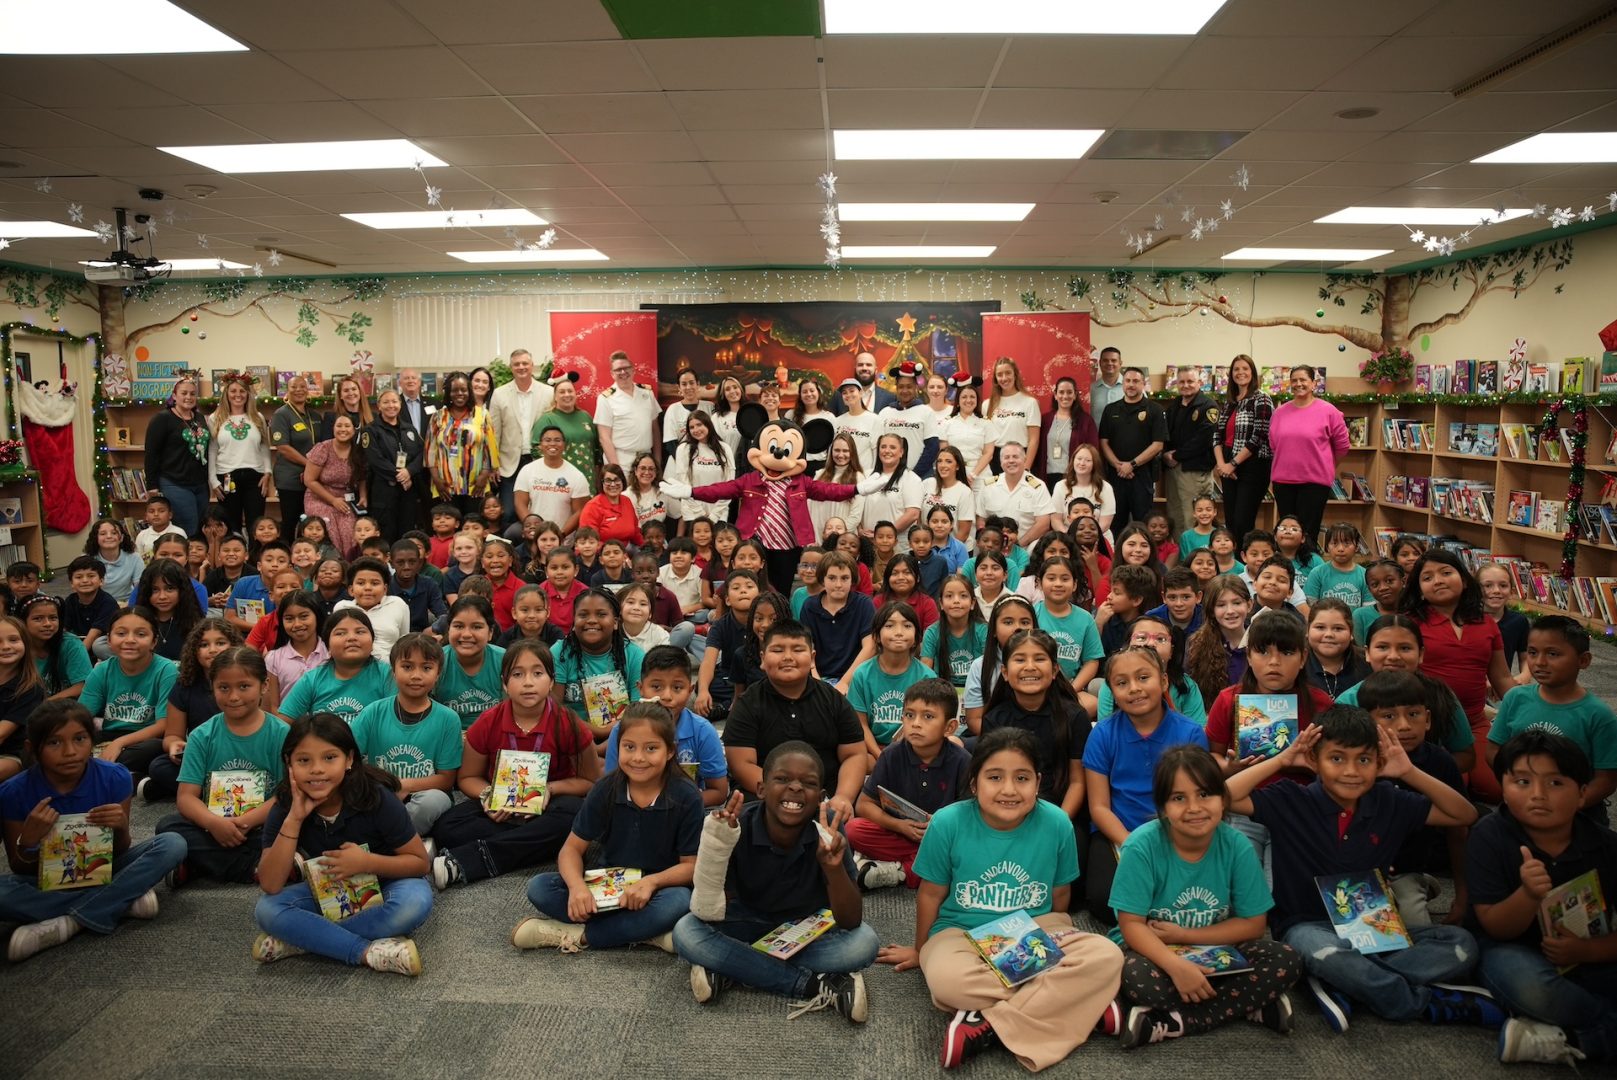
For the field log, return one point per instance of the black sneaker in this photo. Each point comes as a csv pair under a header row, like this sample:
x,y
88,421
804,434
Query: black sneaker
x,y
967,1035
844,993
707,984
1276,1015
1151,1026
1463,1005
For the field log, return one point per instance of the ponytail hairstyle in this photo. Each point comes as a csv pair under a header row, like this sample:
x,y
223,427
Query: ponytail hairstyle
x,y
1061,701
361,784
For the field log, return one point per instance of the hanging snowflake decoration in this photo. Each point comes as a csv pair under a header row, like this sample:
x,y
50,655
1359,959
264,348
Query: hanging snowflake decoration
x,y
75,212
1562,215
168,216
129,234
274,257
1242,178
1227,208
4,243
1418,236
1539,210
1196,232
1212,224
1611,202
1464,237
434,195
547,238
1156,223
103,231
43,185
258,269
202,241
1186,214
828,185
1587,214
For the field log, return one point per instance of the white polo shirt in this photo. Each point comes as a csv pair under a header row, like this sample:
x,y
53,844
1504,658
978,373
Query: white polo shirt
x,y
629,419
1026,503
916,424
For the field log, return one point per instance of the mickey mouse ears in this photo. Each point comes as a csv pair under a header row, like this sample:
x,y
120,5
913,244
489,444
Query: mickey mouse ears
x,y
557,377
960,380
909,369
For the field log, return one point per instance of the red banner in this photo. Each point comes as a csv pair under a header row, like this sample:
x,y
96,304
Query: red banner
x,y
581,341
1045,345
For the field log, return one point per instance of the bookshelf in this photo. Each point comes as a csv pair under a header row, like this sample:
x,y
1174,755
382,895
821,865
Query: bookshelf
x,y
22,538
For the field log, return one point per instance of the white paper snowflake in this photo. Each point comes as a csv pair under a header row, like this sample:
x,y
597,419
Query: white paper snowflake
x,y
1418,236
1445,247
547,238
1196,231
1138,245
1464,237
43,185
129,233
1242,178
1212,224
1539,210
828,184
1227,208
1498,213
1611,202
4,243
75,212
168,216
1186,214
1562,215
1156,223
1586,214
258,269
202,241
274,257
434,195
151,229
1432,243
833,257
103,231
832,233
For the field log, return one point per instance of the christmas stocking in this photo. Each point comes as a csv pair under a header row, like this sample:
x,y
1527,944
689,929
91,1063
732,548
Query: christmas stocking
x,y
47,432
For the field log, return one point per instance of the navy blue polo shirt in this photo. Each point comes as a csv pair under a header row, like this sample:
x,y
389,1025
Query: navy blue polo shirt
x,y
930,787
385,829
837,637
778,883
195,701
1053,769
1426,851
425,600
1312,836
80,618
650,838
933,570
1493,859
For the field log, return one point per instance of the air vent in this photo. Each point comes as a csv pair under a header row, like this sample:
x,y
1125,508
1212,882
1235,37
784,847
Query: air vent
x,y
1166,145
1536,53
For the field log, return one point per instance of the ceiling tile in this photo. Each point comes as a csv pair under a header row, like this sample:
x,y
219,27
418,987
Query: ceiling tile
x,y
673,195
1510,112
646,146
1434,146
1295,63
1284,18
350,25
571,68
310,122
731,63
468,21
1099,62
427,117
752,145
874,109
166,126
860,61
58,82
726,110
217,78
1421,64
649,175
1584,66
37,127
496,150
517,179
567,113
426,71
1013,107
1187,110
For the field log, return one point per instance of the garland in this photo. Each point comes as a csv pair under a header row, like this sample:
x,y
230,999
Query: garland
x,y
1548,428
1484,400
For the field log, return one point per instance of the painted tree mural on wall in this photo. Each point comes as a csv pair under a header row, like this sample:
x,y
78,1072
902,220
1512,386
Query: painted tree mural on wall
x,y
1129,297
40,290
297,307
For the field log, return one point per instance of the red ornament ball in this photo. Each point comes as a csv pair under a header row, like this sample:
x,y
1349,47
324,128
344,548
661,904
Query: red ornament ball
x,y
193,316
1223,299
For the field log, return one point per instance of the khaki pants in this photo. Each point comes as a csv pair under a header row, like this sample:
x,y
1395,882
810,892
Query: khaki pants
x,y
1182,489
1044,1019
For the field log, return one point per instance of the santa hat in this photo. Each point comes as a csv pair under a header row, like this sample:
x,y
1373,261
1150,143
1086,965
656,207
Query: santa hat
x,y
961,380
909,369
558,376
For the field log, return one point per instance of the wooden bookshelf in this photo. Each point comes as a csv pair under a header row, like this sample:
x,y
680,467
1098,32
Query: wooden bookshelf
x,y
23,539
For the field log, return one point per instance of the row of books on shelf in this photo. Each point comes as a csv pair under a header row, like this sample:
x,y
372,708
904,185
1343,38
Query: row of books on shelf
x,y
128,484
1469,499
1274,380
1530,510
1356,488
1407,435
1400,490
1482,440
1592,597
152,381
1575,375
12,553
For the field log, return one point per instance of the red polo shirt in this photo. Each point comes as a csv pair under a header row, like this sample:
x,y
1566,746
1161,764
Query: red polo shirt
x,y
1461,660
559,733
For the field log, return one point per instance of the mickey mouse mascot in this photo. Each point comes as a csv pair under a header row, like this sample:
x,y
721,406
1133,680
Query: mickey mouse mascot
x,y
774,498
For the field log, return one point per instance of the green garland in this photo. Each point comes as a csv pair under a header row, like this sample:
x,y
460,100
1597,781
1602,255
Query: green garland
x,y
1479,400
1547,429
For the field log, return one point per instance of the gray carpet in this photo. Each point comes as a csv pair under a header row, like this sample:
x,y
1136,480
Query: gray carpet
x,y
181,996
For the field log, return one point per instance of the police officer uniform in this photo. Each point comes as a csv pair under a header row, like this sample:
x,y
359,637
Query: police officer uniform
x,y
388,448
1192,427
1129,429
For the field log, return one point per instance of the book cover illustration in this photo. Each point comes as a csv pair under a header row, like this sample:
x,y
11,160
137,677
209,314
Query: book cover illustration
x,y
1576,908
1363,913
900,807
1522,508
605,697
607,885
10,511
793,936
75,854
1358,432
1265,724
1488,377
519,782
1016,947
250,611
1215,959
340,897
234,792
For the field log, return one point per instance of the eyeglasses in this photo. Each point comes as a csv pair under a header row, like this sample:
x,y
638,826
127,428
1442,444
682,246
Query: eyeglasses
x,y
1151,639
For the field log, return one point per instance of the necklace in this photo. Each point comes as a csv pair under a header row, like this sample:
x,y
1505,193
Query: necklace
x,y
239,431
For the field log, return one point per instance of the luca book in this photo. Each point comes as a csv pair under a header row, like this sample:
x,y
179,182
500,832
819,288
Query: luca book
x,y
1215,959
1016,947
607,885
901,807
1362,911
341,897
519,782
1265,724
790,938
233,792
75,854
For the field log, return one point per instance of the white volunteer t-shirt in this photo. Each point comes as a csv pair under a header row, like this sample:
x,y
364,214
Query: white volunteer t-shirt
x,y
551,491
1013,416
916,424
865,428
887,505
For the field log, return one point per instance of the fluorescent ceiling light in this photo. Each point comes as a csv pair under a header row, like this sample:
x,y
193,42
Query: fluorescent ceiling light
x,y
1419,215
307,156
179,264
916,251
1559,148
1283,254
105,28
20,230
447,219
948,211
959,144
1015,17
511,255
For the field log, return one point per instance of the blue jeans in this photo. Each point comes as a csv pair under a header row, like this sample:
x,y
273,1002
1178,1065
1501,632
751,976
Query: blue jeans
x,y
97,909
190,506
1583,1001
293,915
1392,984
611,929
726,947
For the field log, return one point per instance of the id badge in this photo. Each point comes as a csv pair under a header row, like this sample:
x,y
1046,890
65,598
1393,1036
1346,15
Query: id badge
x,y
398,461
350,497
229,486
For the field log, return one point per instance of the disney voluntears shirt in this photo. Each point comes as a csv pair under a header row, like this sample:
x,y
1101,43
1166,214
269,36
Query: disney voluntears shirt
x,y
991,872
551,491
321,691
470,696
880,696
1154,882
915,425
410,749
128,702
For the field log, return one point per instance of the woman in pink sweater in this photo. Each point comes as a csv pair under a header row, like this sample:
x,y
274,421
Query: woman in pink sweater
x,y
1307,438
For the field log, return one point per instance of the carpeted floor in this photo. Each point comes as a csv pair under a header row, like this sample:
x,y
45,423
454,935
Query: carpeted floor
x,y
181,996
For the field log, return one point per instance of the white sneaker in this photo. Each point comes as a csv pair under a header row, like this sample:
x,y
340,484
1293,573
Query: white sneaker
x,y
871,874
140,788
145,907
539,932
267,949
395,954
445,872
432,848
664,941
1529,1040
37,937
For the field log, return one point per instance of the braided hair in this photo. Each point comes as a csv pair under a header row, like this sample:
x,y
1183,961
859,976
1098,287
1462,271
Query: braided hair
x,y
572,650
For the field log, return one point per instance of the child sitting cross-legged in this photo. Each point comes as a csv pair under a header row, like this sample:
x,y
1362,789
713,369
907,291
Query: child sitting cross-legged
x,y
923,767
646,815
411,736
1345,823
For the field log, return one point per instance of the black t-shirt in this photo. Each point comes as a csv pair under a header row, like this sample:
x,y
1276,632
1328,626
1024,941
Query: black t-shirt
x,y
1426,849
1131,427
1190,432
1513,627
80,618
1494,863
195,701
17,708
762,719
385,829
219,581
1054,766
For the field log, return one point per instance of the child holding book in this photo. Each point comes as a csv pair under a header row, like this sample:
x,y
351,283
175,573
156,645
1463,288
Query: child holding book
x,y
597,668
1120,759
665,677
1334,661
764,864
412,737
876,689
1190,882
297,648
332,807
1184,696
646,815
1005,848
1204,514
926,771
1557,655
468,676
1561,987
228,776
190,705
21,692
1344,823
1216,655
1384,581
1341,577
67,778
130,692
476,842
59,655
351,677
959,637
389,615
